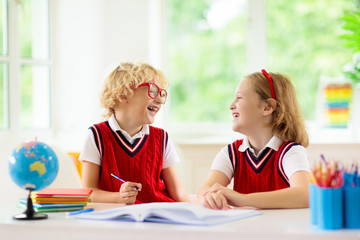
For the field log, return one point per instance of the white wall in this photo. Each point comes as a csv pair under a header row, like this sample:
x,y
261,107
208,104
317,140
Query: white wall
x,y
89,37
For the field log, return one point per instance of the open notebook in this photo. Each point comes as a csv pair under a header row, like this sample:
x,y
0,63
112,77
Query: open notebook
x,y
177,213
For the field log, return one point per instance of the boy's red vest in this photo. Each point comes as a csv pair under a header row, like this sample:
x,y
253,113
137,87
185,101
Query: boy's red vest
x,y
139,162
261,174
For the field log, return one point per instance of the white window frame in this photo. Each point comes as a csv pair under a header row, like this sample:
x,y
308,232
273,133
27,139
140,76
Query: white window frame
x,y
15,131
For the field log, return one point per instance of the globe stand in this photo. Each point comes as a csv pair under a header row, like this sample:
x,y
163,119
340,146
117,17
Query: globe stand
x,y
30,213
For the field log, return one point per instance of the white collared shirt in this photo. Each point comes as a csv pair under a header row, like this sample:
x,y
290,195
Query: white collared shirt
x,y
115,127
294,160
91,153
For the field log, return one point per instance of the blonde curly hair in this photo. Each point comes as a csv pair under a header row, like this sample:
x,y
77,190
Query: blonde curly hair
x,y
120,82
288,123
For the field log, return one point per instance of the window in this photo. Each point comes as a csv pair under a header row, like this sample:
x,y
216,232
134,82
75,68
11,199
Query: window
x,y
4,96
25,65
4,104
206,57
209,50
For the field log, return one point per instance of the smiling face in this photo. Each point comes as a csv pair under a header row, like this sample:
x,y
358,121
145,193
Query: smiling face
x,y
247,109
142,108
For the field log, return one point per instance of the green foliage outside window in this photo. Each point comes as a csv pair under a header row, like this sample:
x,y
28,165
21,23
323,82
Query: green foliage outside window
x,y
26,96
3,95
25,28
3,28
205,64
3,66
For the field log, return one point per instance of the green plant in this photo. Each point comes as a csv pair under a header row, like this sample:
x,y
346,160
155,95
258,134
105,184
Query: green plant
x,y
351,70
352,25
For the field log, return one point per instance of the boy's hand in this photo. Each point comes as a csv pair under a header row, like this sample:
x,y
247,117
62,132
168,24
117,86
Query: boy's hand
x,y
129,191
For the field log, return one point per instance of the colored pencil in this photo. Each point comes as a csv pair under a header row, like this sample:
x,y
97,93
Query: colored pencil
x,y
122,180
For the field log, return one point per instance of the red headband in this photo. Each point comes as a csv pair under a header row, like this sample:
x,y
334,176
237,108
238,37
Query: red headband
x,y
269,78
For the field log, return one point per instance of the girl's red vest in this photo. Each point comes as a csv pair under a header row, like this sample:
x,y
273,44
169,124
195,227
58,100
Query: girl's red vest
x,y
261,174
139,162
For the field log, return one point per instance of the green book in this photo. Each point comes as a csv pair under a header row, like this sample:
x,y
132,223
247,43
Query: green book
x,y
52,207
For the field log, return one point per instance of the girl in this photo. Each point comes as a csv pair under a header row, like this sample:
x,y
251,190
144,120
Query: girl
x,y
126,146
269,165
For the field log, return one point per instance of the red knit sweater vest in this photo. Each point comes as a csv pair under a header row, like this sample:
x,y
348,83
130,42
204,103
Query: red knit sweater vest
x,y
264,173
139,162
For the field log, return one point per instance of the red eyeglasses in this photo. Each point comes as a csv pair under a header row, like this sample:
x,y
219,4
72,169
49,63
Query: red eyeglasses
x,y
154,91
269,78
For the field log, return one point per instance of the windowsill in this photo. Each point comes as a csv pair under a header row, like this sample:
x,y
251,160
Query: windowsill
x,y
222,134
321,135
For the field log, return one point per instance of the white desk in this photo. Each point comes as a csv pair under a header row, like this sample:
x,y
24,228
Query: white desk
x,y
273,224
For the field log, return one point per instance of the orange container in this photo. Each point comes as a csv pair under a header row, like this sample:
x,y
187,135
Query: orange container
x,y
77,163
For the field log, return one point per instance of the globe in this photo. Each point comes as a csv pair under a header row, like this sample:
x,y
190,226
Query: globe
x,y
33,165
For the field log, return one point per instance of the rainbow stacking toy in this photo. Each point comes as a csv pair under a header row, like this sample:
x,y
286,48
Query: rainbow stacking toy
x,y
337,105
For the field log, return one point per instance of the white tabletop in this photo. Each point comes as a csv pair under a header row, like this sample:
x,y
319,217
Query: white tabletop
x,y
272,224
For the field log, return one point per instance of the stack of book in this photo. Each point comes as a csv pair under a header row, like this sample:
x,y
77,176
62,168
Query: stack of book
x,y
59,199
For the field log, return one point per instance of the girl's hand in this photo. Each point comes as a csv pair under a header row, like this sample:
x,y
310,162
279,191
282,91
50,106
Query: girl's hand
x,y
215,200
129,191
232,197
215,197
